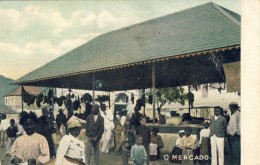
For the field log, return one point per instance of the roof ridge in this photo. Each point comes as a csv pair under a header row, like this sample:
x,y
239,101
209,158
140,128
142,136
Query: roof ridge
x,y
225,13
9,94
154,19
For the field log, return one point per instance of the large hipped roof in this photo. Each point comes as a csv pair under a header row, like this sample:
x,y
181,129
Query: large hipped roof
x,y
198,29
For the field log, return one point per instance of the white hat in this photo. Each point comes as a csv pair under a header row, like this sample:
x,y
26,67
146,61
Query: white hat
x,y
206,121
182,131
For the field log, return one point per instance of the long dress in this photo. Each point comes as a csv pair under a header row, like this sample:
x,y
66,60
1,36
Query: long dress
x,y
187,142
176,152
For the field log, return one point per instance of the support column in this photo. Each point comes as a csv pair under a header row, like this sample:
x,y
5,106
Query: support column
x,y
22,96
52,106
52,99
189,100
153,85
93,88
109,102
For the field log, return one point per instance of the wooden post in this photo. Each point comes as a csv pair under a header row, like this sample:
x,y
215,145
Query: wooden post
x,y
52,106
143,97
93,88
70,109
52,99
153,84
189,100
109,101
22,96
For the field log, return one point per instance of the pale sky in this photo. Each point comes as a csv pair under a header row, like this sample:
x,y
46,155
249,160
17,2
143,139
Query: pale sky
x,y
33,33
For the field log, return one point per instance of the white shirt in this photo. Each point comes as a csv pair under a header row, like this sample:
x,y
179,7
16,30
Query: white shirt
x,y
71,147
204,133
129,109
122,120
178,142
234,124
20,130
216,117
5,124
108,119
95,117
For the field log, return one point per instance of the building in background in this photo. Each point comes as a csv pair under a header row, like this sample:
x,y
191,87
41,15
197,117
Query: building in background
x,y
14,99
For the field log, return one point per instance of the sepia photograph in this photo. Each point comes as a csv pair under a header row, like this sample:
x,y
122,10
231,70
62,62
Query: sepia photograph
x,y
126,82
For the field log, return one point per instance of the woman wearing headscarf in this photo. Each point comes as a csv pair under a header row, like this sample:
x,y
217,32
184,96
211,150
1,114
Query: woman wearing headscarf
x,y
71,149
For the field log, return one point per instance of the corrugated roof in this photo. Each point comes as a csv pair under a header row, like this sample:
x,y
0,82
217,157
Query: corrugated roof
x,y
29,89
201,28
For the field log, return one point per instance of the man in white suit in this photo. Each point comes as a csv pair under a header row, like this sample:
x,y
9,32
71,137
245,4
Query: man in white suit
x,y
108,126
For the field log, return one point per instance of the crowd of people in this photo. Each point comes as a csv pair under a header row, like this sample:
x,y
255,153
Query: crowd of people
x,y
30,138
221,133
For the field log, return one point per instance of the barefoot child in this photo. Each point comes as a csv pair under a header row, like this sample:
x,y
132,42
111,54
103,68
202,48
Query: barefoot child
x,y
138,153
205,142
145,132
11,134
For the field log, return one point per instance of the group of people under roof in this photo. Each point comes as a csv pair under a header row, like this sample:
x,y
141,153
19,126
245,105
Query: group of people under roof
x,y
30,138
220,135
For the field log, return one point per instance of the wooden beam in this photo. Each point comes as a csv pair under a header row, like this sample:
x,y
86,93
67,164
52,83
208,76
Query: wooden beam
x,y
153,85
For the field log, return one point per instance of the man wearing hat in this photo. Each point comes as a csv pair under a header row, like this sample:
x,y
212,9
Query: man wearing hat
x,y
94,131
233,130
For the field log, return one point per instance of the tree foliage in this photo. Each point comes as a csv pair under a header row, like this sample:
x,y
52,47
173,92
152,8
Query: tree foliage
x,y
168,95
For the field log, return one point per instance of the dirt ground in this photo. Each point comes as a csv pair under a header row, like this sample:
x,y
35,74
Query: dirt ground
x,y
108,159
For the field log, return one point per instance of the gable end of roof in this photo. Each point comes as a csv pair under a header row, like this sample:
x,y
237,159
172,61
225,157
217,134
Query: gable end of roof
x,y
229,14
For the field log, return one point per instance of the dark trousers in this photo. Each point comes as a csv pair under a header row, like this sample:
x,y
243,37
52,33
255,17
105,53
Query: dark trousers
x,y
89,146
125,155
147,149
235,149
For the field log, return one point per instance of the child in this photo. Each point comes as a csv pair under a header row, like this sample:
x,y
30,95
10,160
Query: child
x,y
144,131
177,150
196,150
129,141
138,153
187,145
156,144
11,134
205,141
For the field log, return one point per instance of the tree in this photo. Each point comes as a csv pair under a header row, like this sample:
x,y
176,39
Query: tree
x,y
168,95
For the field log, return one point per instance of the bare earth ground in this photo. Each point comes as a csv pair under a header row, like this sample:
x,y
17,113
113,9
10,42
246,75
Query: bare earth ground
x,y
112,159
108,159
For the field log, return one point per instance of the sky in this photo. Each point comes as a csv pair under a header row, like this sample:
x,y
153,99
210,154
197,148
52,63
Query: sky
x,y
33,33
